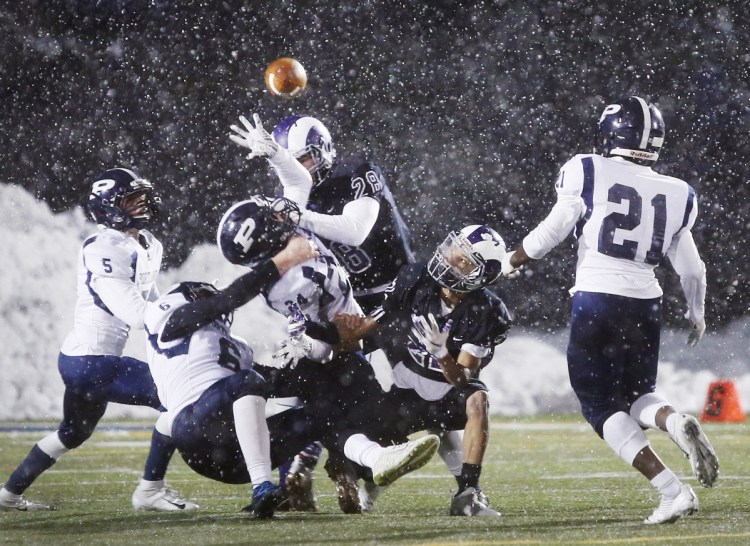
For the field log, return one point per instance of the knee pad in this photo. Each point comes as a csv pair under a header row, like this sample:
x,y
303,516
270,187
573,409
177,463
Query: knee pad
x,y
52,446
162,425
624,436
644,409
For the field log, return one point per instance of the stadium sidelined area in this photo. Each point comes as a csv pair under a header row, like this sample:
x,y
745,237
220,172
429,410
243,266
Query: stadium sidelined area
x,y
553,480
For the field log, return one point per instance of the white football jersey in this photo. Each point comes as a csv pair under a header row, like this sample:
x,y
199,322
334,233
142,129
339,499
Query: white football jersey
x,y
116,276
319,286
626,218
184,368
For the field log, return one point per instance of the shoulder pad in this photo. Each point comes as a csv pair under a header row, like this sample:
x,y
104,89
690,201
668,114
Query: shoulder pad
x,y
110,254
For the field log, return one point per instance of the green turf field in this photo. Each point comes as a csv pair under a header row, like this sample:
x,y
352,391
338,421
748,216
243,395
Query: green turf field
x,y
553,480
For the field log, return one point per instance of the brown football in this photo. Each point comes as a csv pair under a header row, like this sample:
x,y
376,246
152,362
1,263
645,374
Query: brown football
x,y
285,77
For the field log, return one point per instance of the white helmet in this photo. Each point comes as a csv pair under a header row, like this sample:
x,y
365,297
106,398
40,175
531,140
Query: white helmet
x,y
468,259
305,135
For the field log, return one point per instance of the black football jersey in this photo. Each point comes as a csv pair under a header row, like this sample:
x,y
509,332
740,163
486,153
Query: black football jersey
x,y
481,319
387,248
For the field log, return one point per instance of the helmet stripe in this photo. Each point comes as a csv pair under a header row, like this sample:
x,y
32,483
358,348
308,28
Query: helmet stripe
x,y
646,122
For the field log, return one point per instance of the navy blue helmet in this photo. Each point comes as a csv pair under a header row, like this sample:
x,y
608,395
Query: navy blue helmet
x,y
254,230
305,135
113,196
631,128
469,259
194,290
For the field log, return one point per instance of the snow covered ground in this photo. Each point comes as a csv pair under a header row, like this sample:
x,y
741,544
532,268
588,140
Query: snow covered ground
x,y
37,295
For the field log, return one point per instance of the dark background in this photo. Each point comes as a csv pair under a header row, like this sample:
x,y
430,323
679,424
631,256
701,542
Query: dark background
x,y
469,109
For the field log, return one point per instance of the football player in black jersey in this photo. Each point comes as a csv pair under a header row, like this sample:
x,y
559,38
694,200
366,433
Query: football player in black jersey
x,y
344,201
441,325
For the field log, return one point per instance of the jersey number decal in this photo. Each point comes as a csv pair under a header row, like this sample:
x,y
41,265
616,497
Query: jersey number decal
x,y
371,181
629,221
229,356
320,280
354,258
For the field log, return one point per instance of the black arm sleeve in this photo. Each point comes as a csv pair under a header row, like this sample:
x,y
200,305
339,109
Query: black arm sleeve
x,y
323,331
188,318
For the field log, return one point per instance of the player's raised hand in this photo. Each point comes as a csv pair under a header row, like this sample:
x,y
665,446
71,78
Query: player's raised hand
x,y
431,335
254,137
509,270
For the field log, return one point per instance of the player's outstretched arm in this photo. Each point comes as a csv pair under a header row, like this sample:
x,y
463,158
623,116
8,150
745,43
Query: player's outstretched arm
x,y
189,318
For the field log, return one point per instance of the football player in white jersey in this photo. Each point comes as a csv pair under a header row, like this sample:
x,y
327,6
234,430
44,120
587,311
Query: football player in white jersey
x,y
117,270
331,387
627,218
204,377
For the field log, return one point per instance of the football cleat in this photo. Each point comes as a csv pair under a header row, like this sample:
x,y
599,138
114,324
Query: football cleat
x,y
160,499
265,498
670,510
692,441
368,494
342,472
469,502
403,458
299,486
10,502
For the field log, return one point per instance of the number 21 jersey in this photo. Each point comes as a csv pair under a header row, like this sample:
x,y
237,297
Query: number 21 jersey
x,y
632,216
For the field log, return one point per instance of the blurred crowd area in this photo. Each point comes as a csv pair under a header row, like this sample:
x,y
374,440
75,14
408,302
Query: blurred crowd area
x,y
469,110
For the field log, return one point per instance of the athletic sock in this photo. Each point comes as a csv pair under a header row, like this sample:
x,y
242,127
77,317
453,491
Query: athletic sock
x,y
469,476
667,483
162,449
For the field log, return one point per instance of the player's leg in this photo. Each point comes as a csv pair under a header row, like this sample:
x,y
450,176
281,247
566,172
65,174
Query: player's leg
x,y
605,334
652,411
83,407
133,385
235,450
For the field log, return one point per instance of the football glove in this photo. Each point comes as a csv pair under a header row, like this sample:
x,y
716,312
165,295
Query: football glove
x,y
255,138
289,351
696,333
508,270
429,334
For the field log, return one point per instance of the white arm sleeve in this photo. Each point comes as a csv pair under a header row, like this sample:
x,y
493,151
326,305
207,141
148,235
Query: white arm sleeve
x,y
351,227
122,298
294,178
555,228
692,271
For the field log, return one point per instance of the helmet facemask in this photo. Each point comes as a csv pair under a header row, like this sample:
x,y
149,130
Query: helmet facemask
x,y
455,265
120,200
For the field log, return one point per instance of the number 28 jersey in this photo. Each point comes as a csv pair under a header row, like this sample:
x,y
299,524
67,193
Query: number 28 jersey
x,y
629,218
373,264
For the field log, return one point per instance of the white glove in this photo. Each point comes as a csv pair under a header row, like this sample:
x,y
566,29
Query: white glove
x,y
254,138
697,333
289,351
508,270
429,334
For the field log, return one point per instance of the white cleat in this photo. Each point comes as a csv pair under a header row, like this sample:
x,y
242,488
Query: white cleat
x,y
162,499
692,441
670,510
368,494
10,502
403,458
471,502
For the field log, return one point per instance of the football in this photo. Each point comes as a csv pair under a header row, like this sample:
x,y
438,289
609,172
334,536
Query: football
x,y
285,77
